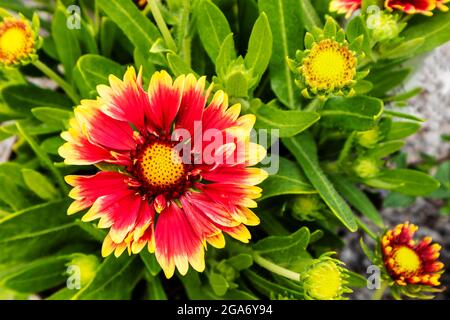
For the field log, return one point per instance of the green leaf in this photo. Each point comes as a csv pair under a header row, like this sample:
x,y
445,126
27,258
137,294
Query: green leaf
x,y
406,181
241,261
443,176
434,31
94,70
108,31
36,231
52,144
367,3
304,149
10,193
355,28
40,185
177,65
276,244
386,148
400,130
358,199
42,156
218,283
13,171
156,290
308,15
355,113
226,56
150,262
402,115
289,123
22,98
212,27
114,280
287,35
259,47
66,41
38,275
403,50
397,200
385,80
271,289
288,180
356,280
137,27
33,127
52,116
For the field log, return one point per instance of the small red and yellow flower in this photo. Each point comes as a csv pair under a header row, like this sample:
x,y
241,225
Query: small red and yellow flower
x,y
345,6
156,198
408,261
18,42
424,7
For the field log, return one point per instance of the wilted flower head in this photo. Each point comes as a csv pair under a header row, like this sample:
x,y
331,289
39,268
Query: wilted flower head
x,y
19,41
325,279
328,64
181,172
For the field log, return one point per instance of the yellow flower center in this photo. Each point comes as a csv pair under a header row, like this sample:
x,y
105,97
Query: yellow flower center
x,y
329,65
406,261
324,281
13,41
16,40
161,166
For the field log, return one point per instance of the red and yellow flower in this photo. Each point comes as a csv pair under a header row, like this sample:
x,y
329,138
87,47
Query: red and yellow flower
x,y
345,6
18,41
408,261
424,7
156,198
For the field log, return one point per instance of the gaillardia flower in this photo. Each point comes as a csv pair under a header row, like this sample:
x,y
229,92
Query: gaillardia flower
x,y
408,261
325,279
345,6
19,41
424,7
174,189
328,64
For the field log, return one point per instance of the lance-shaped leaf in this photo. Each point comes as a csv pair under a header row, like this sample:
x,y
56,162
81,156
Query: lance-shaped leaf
x,y
304,150
288,180
287,32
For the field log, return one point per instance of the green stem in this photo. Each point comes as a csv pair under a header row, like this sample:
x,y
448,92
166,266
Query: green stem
x,y
61,83
378,294
269,265
365,228
162,25
183,39
44,158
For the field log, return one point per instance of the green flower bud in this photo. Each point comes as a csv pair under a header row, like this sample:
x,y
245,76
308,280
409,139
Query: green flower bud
x,y
325,279
87,265
366,168
369,138
383,26
307,207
